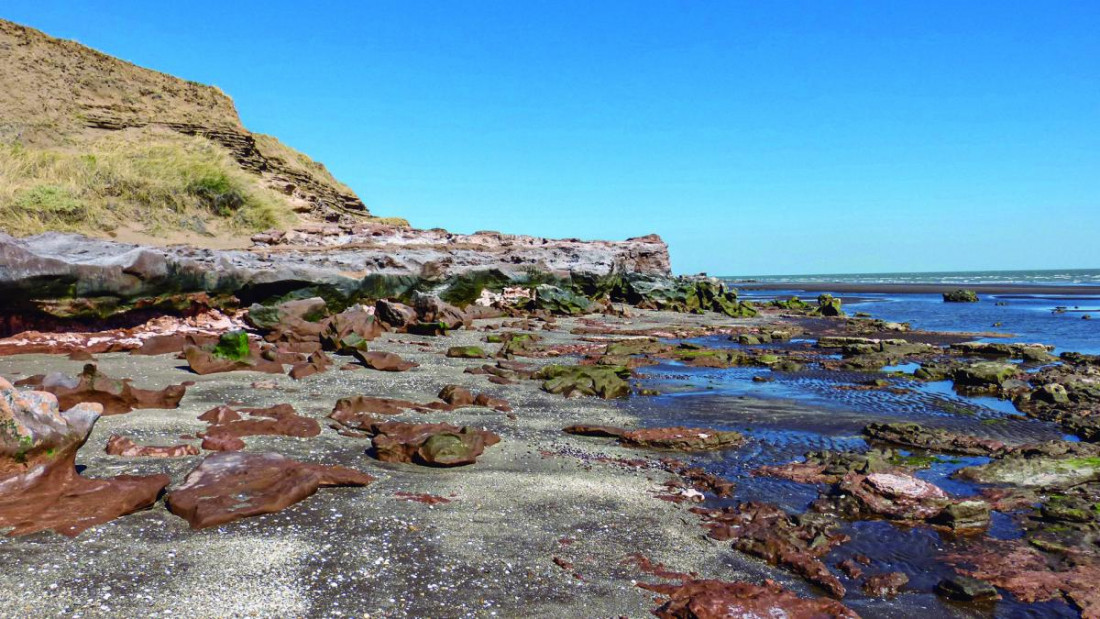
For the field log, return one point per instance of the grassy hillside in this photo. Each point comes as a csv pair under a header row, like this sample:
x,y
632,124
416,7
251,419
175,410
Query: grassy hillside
x,y
90,143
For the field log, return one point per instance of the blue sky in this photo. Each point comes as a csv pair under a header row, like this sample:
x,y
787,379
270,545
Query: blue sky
x,y
755,137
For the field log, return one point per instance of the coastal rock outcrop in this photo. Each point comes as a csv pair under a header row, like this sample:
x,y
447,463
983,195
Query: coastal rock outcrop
x,y
114,395
229,486
40,488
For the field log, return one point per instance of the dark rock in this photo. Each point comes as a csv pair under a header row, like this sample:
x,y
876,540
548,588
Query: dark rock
x,y
229,486
456,395
766,531
598,431
397,315
681,439
960,296
966,589
914,435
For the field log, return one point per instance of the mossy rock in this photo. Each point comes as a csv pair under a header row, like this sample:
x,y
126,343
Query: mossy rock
x,y
466,352
232,345
960,295
586,380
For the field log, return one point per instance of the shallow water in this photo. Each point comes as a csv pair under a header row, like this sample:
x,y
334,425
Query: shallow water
x,y
806,411
1023,318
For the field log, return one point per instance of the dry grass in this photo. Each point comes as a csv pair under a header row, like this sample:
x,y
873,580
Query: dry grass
x,y
156,181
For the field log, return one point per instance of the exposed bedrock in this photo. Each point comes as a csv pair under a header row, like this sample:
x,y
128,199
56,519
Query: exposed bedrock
x,y
40,489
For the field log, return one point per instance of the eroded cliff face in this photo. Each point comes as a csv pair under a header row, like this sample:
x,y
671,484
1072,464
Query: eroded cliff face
x,y
58,93
67,276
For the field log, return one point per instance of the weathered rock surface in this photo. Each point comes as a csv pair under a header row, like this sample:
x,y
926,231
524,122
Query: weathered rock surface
x,y
716,599
384,361
279,420
915,435
682,439
40,488
895,495
960,296
766,531
585,380
114,395
429,444
232,485
357,262
125,447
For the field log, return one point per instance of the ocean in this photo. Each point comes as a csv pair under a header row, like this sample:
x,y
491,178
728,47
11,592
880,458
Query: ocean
x,y
1044,277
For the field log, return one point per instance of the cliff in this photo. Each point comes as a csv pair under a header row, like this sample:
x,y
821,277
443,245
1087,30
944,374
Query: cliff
x,y
94,144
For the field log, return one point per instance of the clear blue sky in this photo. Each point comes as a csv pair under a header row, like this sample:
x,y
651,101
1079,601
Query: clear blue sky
x,y
755,137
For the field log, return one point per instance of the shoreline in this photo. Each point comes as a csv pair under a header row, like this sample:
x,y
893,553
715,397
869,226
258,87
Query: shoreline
x,y
1073,290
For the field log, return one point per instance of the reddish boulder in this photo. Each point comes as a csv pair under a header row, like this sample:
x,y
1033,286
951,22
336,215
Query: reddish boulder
x,y
456,395
384,361
278,420
716,599
122,446
229,486
360,412
222,443
895,495
496,404
396,315
203,362
429,444
116,396
40,488
316,363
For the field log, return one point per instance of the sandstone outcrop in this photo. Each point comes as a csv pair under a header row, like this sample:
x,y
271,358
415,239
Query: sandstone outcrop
x,y
40,488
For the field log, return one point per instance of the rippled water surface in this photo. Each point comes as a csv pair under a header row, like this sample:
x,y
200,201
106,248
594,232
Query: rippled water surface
x,y
806,411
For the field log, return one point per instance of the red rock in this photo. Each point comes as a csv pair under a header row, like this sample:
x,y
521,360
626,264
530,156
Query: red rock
x,y
278,420
456,395
496,404
427,499
40,488
203,362
81,355
885,585
172,343
895,495
716,599
360,412
766,531
116,396
222,443
429,444
1026,573
316,363
122,446
229,486
384,361
396,315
